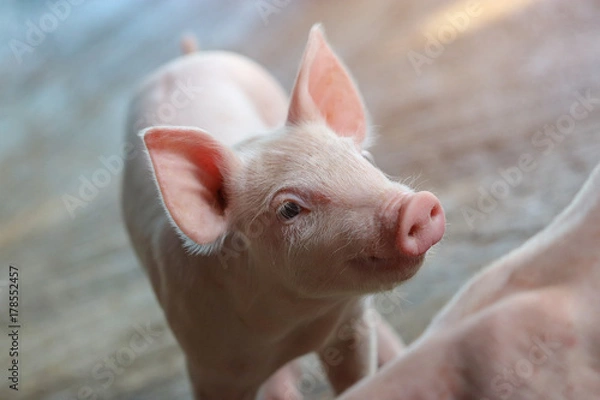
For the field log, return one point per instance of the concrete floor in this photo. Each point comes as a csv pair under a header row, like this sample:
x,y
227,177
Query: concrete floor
x,y
469,118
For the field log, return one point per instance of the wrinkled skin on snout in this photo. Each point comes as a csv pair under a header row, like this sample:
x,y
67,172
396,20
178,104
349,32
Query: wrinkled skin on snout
x,y
526,328
261,223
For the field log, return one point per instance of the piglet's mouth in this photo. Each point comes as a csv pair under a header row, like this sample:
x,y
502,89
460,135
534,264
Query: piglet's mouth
x,y
405,266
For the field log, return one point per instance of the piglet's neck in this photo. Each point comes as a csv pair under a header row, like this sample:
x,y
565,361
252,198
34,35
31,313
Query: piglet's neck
x,y
267,306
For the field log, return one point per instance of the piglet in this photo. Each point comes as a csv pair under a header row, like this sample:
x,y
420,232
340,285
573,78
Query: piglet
x,y
260,222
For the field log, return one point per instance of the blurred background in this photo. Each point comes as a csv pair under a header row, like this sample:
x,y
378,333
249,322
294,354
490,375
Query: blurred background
x,y
492,105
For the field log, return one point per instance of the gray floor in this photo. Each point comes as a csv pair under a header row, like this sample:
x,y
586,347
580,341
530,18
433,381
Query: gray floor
x,y
456,124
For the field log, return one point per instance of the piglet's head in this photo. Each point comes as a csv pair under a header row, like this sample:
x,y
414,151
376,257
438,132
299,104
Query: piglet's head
x,y
310,209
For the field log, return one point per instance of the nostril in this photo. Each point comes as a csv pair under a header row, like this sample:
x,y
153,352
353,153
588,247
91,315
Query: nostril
x,y
413,230
435,211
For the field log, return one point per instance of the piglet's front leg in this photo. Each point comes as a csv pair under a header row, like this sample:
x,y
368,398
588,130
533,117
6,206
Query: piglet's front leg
x,y
283,384
350,354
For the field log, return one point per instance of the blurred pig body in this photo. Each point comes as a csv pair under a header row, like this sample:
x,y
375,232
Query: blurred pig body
x,y
260,224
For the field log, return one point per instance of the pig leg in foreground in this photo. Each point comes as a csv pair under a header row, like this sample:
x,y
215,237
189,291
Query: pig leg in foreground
x,y
282,385
389,344
363,343
351,353
525,328
346,351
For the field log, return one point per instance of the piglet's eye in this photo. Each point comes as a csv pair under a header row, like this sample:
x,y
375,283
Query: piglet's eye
x,y
289,210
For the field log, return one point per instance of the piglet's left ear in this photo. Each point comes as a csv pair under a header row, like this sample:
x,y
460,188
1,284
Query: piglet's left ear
x,y
325,91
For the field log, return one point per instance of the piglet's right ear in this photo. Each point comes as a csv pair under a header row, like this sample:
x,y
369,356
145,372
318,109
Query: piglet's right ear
x,y
191,168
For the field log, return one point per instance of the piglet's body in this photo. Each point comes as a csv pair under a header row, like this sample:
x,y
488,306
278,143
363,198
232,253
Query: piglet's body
x,y
261,225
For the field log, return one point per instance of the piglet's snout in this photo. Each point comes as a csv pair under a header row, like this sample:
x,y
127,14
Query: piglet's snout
x,y
421,223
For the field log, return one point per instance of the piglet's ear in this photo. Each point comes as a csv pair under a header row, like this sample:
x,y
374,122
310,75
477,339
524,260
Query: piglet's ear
x,y
325,91
190,168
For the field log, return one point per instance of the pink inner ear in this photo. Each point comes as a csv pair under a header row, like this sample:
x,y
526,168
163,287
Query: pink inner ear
x,y
324,88
189,166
